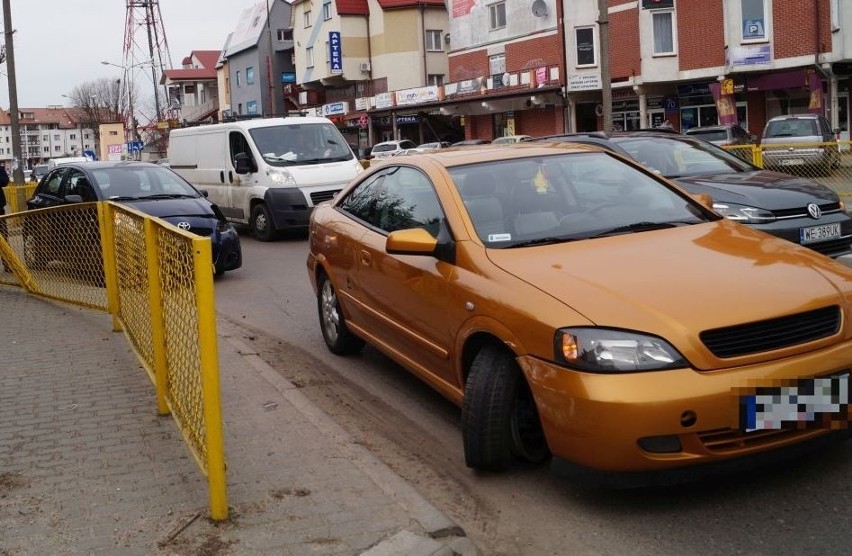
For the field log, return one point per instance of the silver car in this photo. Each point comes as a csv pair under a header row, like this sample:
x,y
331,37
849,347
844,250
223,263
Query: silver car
x,y
803,141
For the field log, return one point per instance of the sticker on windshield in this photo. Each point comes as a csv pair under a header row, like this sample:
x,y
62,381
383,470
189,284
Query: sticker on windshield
x,y
499,237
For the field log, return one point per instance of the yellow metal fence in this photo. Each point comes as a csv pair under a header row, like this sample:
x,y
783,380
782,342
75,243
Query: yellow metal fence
x,y
157,282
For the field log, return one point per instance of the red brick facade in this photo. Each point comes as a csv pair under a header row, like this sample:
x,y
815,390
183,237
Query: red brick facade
x,y
624,57
795,28
537,122
701,34
542,51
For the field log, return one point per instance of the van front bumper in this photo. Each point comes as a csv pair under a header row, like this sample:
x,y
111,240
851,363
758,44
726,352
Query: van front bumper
x,y
289,208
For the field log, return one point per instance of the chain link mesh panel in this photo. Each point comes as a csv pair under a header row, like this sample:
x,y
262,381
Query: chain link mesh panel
x,y
17,195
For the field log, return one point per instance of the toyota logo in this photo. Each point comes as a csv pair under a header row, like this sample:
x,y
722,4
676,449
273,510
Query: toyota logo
x,y
814,210
185,225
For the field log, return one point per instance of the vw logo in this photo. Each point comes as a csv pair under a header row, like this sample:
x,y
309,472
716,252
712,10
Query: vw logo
x,y
185,225
814,210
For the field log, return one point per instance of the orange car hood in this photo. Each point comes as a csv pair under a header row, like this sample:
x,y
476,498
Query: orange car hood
x,y
678,282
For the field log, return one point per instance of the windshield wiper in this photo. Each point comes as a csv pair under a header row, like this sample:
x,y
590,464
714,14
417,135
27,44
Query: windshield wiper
x,y
542,241
638,227
168,196
122,198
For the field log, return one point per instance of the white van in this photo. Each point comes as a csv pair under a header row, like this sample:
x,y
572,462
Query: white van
x,y
267,173
54,162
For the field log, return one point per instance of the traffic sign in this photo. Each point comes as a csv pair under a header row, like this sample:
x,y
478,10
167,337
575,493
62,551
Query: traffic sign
x,y
135,146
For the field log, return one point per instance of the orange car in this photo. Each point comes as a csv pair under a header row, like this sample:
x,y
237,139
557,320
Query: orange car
x,y
574,304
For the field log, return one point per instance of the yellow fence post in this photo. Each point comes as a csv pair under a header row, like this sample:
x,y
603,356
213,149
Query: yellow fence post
x,y
107,225
209,354
158,327
757,155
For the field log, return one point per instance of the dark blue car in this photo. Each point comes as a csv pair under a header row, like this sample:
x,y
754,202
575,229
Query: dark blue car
x,y
149,188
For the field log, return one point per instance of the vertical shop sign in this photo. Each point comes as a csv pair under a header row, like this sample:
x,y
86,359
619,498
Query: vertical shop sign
x,y
726,107
335,55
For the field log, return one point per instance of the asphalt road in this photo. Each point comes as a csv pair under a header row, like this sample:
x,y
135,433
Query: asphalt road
x,y
801,507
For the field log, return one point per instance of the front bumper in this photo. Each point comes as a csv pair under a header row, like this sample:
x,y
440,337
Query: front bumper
x,y
227,251
597,421
790,229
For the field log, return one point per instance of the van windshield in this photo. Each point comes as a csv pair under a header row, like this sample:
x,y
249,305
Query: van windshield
x,y
294,144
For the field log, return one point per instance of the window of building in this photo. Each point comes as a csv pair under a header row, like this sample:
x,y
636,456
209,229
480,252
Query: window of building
x,y
309,57
433,40
45,149
239,79
585,45
113,132
249,76
497,15
326,11
43,138
754,20
56,137
663,32
497,64
72,136
57,148
435,79
251,107
285,34
308,18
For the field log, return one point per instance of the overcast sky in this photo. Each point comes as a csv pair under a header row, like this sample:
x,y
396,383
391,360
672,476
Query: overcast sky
x,y
59,44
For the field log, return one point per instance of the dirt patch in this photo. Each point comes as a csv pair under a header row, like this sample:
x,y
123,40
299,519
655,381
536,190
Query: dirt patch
x,y
10,481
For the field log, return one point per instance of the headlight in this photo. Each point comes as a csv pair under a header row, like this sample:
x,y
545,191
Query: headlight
x,y
282,177
743,213
604,350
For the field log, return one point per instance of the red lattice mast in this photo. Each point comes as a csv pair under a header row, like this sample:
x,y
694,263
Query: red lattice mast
x,y
146,56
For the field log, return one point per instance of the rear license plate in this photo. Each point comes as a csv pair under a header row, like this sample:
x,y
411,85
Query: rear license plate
x,y
803,403
792,161
819,233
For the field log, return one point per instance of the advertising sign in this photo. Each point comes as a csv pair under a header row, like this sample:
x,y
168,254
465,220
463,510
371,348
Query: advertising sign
x,y
418,95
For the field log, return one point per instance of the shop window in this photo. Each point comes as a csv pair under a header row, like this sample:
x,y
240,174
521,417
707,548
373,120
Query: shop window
x,y
497,15
663,32
753,20
585,46
433,40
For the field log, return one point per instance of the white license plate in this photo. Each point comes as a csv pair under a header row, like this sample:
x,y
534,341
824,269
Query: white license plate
x,y
792,161
819,233
780,407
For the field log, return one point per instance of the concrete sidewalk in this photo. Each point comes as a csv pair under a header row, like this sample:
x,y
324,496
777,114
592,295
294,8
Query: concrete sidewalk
x,y
87,467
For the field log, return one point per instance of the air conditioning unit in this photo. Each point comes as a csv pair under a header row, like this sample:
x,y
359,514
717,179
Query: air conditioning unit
x,y
365,66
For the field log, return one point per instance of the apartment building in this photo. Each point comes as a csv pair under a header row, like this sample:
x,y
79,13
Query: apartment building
x,y
46,133
193,91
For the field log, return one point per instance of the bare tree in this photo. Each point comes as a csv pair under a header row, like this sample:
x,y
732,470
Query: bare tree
x,y
99,101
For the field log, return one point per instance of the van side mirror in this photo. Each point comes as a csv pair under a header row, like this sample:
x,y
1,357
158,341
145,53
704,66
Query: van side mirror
x,y
204,193
243,164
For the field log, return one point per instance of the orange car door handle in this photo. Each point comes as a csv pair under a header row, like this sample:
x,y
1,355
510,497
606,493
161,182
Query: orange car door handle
x,y
365,257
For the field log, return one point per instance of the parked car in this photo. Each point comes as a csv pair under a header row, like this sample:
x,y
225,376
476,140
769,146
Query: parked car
x,y
388,149
804,141
39,170
469,142
433,145
576,304
795,208
147,187
723,135
511,139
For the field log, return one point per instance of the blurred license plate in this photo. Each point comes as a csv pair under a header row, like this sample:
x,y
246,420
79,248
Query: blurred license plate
x,y
792,406
819,233
792,162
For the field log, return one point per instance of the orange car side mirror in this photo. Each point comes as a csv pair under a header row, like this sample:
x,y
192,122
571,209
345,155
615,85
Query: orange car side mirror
x,y
415,241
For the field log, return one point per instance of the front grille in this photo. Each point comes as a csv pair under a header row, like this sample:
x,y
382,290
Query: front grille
x,y
721,441
756,337
321,196
803,211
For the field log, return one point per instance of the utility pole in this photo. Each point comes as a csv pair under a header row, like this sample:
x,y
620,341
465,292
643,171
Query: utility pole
x,y
606,79
270,64
17,170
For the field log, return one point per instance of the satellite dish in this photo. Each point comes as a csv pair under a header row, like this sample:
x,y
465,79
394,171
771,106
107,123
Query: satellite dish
x,y
539,8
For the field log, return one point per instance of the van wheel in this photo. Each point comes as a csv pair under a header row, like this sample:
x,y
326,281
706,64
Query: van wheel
x,y
499,417
261,223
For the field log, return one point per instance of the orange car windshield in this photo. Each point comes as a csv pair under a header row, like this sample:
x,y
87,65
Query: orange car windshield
x,y
567,197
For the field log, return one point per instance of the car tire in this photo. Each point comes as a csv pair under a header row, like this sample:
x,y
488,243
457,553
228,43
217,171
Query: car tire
x,y
499,417
261,223
338,338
